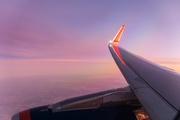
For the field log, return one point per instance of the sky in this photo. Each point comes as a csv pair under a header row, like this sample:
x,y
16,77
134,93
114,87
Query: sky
x,y
63,46
67,29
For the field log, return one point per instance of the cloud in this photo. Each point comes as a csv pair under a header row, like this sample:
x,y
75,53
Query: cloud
x,y
27,92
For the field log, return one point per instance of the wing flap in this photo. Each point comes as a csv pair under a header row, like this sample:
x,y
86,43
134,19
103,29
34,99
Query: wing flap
x,y
154,105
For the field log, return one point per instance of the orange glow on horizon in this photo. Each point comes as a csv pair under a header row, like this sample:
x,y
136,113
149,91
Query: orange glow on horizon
x,y
169,63
96,60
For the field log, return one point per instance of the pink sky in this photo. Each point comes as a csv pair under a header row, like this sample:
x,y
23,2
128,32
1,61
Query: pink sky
x,y
68,30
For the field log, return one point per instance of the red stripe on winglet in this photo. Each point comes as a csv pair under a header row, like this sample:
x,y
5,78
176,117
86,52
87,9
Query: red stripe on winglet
x,y
25,115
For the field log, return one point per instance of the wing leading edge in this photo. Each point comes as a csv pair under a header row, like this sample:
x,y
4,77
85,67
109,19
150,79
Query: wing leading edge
x,y
156,87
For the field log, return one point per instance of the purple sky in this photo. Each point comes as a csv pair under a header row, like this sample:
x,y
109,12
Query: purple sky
x,y
80,29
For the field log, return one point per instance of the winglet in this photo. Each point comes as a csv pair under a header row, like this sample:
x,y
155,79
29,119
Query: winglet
x,y
118,35
114,43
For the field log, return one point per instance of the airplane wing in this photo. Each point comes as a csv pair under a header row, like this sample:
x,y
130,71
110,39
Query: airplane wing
x,y
156,87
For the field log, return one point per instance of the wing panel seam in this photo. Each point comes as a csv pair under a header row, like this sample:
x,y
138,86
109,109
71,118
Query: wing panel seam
x,y
151,87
